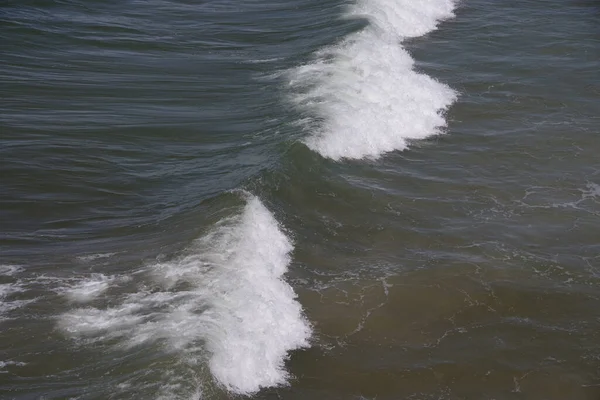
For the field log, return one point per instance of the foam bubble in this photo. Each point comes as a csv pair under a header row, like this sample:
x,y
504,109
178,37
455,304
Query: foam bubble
x,y
226,297
364,90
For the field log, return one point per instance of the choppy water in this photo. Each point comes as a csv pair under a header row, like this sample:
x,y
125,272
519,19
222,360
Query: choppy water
x,y
301,200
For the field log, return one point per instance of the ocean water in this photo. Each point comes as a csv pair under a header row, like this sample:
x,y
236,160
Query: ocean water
x,y
370,199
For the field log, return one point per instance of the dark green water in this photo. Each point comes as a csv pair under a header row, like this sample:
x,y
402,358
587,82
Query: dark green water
x,y
300,200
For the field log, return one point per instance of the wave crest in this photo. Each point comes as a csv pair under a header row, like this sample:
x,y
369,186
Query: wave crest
x,y
364,91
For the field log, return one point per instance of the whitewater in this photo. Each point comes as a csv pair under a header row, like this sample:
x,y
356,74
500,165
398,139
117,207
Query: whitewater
x,y
225,300
365,97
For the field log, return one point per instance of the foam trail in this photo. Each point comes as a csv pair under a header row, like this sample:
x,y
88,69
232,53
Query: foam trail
x,y
92,257
364,90
89,289
6,305
9,289
225,297
4,364
9,269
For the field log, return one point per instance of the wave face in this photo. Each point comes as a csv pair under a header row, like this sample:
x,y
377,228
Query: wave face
x,y
226,297
364,91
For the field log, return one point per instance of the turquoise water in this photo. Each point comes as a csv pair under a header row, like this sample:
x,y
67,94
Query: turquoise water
x,y
300,200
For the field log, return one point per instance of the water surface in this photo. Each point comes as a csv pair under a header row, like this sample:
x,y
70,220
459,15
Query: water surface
x,y
300,200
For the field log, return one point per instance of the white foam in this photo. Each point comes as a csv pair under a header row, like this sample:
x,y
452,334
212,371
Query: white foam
x,y
592,191
89,288
7,289
92,257
4,364
91,321
226,297
364,92
9,269
7,303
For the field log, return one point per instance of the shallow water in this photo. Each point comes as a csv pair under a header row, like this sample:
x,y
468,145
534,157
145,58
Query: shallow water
x,y
307,200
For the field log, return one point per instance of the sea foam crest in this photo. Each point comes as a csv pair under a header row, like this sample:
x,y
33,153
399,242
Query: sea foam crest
x,y
364,92
226,297
254,319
